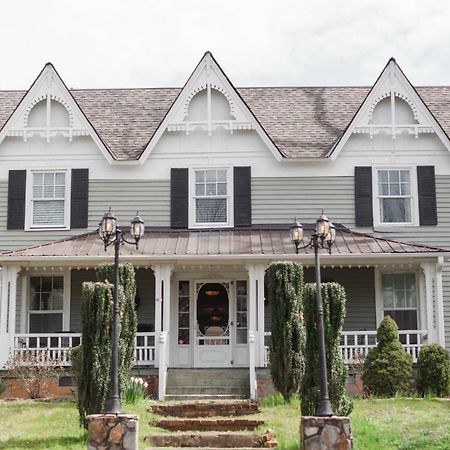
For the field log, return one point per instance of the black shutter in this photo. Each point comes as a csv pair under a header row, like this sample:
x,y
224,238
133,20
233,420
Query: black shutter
x,y
426,186
363,197
79,201
16,199
242,180
179,188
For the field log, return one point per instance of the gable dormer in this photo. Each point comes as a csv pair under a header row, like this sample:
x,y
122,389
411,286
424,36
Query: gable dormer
x,y
392,108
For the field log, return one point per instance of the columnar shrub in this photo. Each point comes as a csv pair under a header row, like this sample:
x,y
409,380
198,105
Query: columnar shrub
x,y
433,371
287,340
387,369
333,298
92,360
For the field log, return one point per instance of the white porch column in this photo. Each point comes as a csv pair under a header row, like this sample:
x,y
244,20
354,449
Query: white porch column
x,y
427,268
8,312
440,302
163,273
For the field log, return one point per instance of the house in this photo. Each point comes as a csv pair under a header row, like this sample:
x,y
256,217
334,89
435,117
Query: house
x,y
218,173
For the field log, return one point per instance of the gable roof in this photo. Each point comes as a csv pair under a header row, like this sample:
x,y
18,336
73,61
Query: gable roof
x,y
302,122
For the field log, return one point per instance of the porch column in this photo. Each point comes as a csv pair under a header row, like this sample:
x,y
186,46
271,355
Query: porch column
x,y
8,311
163,273
440,302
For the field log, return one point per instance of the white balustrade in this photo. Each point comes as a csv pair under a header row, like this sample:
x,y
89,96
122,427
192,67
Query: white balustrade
x,y
356,344
57,346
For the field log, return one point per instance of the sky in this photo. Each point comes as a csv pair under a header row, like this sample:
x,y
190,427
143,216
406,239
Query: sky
x,y
148,43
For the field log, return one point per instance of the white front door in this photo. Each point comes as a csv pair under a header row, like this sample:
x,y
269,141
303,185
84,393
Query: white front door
x,y
212,321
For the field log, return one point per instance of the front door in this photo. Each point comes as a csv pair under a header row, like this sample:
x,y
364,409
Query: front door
x,y
212,317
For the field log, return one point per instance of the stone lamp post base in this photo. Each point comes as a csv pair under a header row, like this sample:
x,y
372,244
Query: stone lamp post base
x,y
113,432
325,433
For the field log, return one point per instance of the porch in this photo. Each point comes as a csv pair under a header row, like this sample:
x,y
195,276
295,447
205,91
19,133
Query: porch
x,y
201,307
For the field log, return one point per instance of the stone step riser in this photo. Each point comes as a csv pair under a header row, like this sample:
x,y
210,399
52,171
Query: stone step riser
x,y
206,409
214,382
202,440
197,390
178,398
202,424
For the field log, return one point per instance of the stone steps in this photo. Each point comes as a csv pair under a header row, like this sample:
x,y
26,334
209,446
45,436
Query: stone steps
x,y
205,408
208,424
202,397
208,390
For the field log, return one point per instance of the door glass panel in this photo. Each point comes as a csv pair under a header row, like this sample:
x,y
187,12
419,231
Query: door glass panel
x,y
183,313
241,312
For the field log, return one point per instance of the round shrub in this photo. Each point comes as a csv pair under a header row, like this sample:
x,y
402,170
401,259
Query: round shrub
x,y
387,369
433,371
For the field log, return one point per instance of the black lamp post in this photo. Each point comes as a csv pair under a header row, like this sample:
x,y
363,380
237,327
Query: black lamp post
x,y
110,234
323,237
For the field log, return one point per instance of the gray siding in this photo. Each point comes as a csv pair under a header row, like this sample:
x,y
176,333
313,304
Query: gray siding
x,y
359,286
151,198
145,291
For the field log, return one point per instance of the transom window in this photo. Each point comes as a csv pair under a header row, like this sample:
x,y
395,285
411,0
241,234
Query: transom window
x,y
395,196
46,304
48,199
399,291
211,199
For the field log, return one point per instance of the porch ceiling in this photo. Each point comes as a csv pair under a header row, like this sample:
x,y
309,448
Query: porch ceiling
x,y
256,241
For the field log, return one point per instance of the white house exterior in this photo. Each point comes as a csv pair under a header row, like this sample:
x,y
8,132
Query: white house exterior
x,y
218,173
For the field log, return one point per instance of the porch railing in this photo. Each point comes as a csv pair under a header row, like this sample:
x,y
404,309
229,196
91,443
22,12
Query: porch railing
x,y
356,344
57,346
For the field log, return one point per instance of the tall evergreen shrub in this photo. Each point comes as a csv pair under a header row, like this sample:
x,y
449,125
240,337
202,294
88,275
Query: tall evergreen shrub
x,y
433,370
387,369
287,340
92,360
334,299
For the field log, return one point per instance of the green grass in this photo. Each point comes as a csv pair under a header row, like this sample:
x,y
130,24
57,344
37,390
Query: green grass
x,y
398,424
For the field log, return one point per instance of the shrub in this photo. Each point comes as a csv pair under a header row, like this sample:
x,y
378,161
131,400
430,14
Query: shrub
x,y
135,390
34,371
92,361
433,371
387,370
334,299
2,385
287,340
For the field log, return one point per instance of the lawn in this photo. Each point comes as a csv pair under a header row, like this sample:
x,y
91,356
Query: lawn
x,y
400,424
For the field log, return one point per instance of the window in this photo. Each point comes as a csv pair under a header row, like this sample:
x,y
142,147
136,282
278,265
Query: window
x,y
241,312
46,304
396,199
48,199
399,294
210,202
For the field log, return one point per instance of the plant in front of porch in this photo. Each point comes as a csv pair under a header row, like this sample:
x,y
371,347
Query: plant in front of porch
x,y
288,336
387,370
433,371
92,360
334,299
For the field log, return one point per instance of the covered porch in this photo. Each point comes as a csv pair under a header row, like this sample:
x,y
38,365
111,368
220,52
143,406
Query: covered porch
x,y
202,296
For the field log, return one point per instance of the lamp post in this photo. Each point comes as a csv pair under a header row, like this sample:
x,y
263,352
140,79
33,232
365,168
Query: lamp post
x,y
111,234
323,237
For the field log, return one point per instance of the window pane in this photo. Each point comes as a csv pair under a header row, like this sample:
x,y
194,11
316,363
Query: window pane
x,y
394,189
60,191
211,176
183,337
49,178
200,189
46,323
35,303
211,189
405,189
183,321
388,298
241,336
60,178
404,176
37,191
49,191
406,320
211,210
57,300
221,189
199,176
395,210
48,212
222,175
183,304
38,178
384,189
383,176
394,176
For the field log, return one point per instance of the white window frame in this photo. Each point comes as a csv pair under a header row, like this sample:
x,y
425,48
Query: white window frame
x,y
379,301
230,199
377,196
66,274
29,226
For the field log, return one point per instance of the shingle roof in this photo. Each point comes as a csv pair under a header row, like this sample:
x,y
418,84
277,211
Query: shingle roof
x,y
301,121
255,241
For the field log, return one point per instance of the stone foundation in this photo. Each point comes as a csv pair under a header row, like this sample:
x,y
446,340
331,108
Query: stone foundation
x,y
113,432
325,433
264,384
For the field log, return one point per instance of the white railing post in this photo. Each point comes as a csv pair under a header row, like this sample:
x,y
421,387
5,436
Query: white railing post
x,y
162,366
252,369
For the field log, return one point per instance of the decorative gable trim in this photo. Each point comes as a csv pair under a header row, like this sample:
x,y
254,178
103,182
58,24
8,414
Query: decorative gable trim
x,y
208,75
49,86
392,83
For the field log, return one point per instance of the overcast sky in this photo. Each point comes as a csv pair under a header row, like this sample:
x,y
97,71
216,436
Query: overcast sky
x,y
137,43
